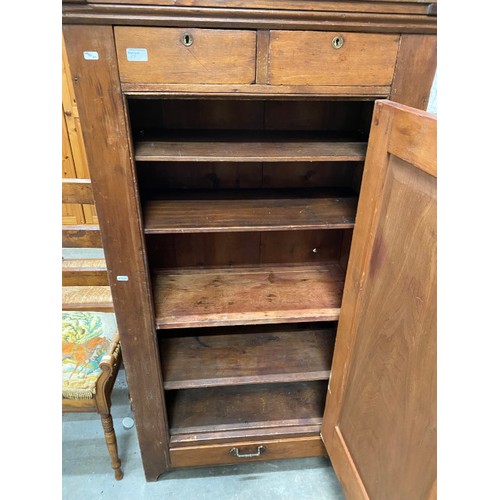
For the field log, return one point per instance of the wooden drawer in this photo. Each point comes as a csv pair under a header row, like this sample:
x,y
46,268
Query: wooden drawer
x,y
219,454
185,55
309,58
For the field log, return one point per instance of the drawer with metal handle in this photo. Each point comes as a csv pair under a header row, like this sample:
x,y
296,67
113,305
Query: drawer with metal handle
x,y
246,451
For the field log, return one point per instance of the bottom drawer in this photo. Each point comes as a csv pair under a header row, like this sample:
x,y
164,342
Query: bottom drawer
x,y
247,451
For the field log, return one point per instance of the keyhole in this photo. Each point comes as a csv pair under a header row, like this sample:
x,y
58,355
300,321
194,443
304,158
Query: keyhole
x,y
187,39
337,42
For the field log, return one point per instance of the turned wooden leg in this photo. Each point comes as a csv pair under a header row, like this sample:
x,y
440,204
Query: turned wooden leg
x,y
110,436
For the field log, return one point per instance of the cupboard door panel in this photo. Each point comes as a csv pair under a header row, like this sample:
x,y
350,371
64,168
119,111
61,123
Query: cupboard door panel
x,y
379,426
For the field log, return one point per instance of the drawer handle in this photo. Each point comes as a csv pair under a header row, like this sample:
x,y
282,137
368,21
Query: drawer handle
x,y
337,42
187,39
234,451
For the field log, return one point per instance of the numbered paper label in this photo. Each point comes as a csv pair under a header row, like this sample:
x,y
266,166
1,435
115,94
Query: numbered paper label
x,y
137,54
91,56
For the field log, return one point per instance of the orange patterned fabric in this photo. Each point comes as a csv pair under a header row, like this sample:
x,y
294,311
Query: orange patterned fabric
x,y
86,338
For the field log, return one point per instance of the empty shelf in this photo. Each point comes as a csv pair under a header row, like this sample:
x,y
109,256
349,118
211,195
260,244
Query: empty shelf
x,y
247,295
249,151
243,355
222,212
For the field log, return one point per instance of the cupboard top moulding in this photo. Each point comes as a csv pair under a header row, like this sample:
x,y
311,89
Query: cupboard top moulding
x,y
387,16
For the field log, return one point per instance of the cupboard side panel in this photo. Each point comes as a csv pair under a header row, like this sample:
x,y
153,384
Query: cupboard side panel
x,y
105,134
415,69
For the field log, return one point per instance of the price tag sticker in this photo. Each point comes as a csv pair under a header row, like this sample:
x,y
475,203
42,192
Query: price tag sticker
x,y
137,55
91,56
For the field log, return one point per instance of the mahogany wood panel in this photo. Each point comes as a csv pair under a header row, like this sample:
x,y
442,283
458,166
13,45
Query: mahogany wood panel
x,y
194,151
81,236
415,69
247,295
264,212
92,272
247,356
308,58
193,411
77,191
87,298
104,123
380,419
296,447
214,56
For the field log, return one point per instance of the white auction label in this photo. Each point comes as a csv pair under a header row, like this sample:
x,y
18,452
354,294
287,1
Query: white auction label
x,y
137,55
91,56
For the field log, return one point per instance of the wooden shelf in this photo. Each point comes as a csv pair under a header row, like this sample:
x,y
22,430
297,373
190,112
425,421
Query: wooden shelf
x,y
219,410
249,211
270,147
247,356
247,295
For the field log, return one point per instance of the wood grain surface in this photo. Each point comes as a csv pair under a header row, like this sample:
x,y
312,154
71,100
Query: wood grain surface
x,y
235,151
217,454
77,191
105,132
415,70
91,272
193,411
247,295
87,298
352,19
247,356
81,236
215,56
380,419
265,212
301,57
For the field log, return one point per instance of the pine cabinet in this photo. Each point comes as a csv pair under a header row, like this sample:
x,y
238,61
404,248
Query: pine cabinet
x,y
265,212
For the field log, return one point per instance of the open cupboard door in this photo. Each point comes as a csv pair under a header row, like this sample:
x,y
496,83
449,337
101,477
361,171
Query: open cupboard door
x,y
379,426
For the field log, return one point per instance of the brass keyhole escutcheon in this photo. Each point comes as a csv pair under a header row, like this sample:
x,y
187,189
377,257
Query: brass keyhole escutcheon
x,y
187,39
337,42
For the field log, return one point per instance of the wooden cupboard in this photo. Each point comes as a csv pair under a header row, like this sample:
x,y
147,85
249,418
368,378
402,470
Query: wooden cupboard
x,y
226,146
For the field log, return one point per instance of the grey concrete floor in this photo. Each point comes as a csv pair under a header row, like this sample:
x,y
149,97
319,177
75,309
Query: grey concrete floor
x,y
87,472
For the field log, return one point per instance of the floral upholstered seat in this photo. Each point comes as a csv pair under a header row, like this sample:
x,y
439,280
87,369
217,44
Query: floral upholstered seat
x,y
86,338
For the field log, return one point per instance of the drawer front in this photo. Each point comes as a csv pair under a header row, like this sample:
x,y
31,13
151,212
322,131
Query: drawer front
x,y
311,58
185,55
247,451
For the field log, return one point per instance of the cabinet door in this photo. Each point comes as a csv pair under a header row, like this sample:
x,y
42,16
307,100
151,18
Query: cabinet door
x,y
379,426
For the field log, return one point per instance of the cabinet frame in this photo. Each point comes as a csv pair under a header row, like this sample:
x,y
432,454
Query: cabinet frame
x,y
108,143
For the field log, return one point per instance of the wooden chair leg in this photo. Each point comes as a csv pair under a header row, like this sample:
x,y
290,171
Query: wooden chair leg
x,y
110,436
